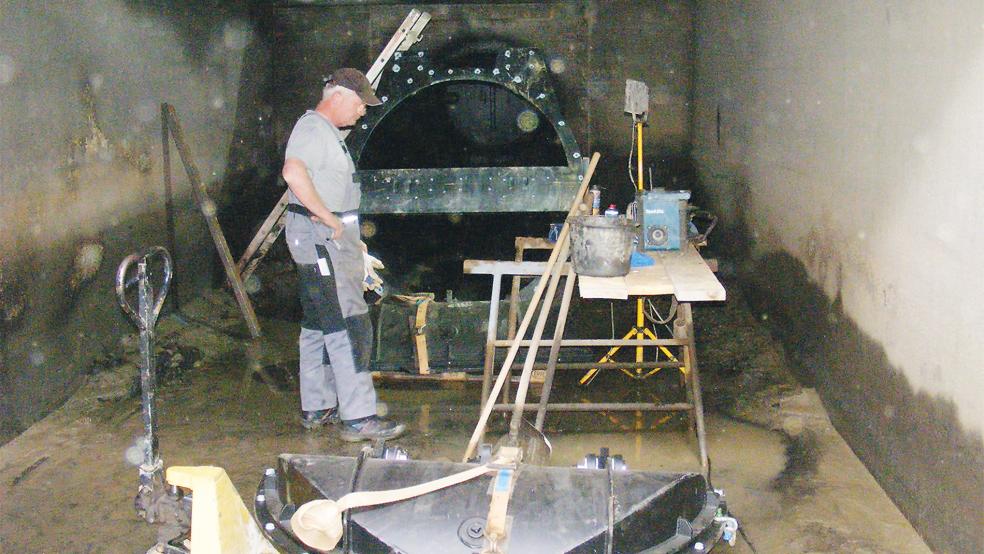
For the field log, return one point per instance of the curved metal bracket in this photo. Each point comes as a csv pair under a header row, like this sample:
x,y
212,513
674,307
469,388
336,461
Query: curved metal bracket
x,y
522,72
148,305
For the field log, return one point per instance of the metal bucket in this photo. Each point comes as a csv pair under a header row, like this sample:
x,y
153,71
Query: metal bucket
x,y
601,246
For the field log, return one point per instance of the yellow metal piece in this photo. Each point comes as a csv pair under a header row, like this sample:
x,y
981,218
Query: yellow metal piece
x,y
639,141
640,331
220,522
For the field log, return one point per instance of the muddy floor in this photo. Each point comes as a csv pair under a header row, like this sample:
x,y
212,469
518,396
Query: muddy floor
x,y
67,483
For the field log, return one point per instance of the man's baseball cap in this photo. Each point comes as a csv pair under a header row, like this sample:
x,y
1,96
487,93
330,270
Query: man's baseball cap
x,y
356,81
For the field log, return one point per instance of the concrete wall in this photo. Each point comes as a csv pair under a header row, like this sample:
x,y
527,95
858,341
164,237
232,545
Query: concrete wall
x,y
592,47
843,140
81,187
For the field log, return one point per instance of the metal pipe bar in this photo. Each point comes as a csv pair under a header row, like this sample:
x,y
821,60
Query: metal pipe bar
x,y
606,365
603,407
599,342
490,338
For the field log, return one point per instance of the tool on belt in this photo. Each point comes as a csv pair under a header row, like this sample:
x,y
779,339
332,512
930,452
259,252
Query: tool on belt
x,y
145,314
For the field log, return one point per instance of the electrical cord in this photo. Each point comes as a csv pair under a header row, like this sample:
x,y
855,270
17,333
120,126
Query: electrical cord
x,y
744,537
741,528
611,307
658,319
632,147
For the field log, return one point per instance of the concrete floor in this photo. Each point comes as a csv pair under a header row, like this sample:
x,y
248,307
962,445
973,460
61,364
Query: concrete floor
x,y
66,484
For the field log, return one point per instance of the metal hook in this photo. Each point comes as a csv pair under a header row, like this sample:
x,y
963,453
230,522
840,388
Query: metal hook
x,y
144,319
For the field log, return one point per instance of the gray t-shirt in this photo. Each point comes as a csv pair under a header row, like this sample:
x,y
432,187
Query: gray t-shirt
x,y
317,143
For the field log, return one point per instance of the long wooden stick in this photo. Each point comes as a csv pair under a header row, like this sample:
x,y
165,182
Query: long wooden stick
x,y
263,240
541,323
172,242
208,209
521,332
565,304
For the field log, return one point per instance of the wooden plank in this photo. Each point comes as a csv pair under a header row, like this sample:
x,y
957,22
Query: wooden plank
x,y
501,267
651,280
683,273
692,280
263,239
602,287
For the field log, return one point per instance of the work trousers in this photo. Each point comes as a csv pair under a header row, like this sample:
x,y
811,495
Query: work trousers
x,y
335,343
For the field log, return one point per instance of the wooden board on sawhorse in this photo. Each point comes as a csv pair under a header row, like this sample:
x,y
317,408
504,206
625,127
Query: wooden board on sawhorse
x,y
405,37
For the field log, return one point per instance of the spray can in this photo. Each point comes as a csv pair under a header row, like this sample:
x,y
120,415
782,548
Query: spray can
x,y
595,200
612,211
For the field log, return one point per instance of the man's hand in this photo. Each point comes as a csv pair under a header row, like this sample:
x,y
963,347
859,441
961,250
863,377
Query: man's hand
x,y
332,221
371,280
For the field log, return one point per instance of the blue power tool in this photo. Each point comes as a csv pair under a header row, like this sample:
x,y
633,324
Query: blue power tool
x,y
664,219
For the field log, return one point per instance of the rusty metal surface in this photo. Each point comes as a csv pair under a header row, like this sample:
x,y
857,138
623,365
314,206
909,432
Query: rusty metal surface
x,y
522,72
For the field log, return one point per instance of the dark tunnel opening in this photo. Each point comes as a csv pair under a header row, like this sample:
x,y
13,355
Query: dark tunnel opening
x,y
463,124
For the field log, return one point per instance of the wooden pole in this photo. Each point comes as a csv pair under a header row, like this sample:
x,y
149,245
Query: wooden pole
x,y
537,293
541,322
172,242
565,304
683,328
263,240
209,209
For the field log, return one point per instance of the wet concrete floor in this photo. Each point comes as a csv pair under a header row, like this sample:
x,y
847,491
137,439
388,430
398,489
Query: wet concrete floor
x,y
66,484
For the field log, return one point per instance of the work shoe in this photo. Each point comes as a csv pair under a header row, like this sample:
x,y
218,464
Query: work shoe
x,y
371,428
318,418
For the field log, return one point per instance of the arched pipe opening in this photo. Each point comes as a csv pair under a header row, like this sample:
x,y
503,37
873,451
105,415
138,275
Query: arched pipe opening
x,y
466,140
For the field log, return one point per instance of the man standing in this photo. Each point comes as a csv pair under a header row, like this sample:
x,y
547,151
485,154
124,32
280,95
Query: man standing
x,y
322,231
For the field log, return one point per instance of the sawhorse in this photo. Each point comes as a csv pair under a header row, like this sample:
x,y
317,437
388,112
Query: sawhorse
x,y
683,338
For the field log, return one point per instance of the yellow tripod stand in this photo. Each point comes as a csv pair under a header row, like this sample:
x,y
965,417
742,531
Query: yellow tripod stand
x,y
640,331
